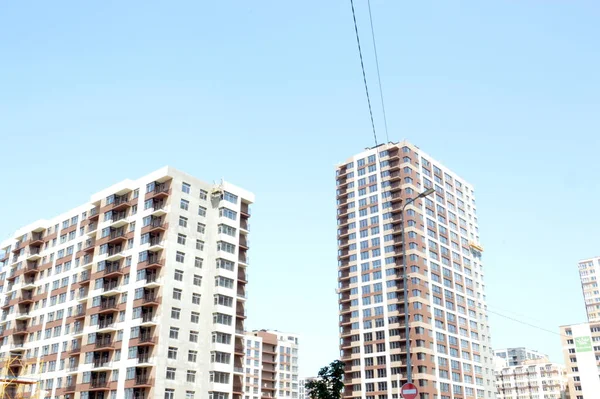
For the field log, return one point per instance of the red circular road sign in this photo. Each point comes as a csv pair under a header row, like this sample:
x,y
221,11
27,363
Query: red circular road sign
x,y
409,391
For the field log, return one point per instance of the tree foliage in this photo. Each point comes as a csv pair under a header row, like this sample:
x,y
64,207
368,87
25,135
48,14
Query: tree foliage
x,y
329,384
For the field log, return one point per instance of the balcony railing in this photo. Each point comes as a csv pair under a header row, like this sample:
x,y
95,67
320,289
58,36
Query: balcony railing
x,y
101,363
147,338
142,380
112,268
98,383
108,305
149,298
104,344
106,324
110,287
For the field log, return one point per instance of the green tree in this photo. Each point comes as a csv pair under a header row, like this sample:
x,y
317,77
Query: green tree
x,y
329,384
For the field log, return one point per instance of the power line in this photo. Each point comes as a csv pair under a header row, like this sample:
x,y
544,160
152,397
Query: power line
x,y
387,137
527,324
362,65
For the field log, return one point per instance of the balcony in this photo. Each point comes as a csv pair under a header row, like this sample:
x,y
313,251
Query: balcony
x,y
105,343
24,315
82,295
33,254
242,276
149,319
74,350
86,263
143,380
102,364
159,208
89,245
28,284
117,235
94,213
108,306
244,225
26,297
100,383
154,260
144,359
245,210
156,225
120,202
36,239
156,244
91,228
152,281
113,269
150,299
115,252
111,289
106,326
71,388
161,190
147,339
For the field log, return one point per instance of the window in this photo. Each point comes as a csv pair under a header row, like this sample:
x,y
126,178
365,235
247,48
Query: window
x,y
175,313
179,256
198,262
201,210
183,221
230,197
191,376
225,246
228,213
201,228
220,318
174,333
170,393
170,375
203,194
181,239
179,275
192,356
195,317
223,300
199,245
193,336
172,354
177,294
225,229
185,188
221,378
197,280
184,204
196,299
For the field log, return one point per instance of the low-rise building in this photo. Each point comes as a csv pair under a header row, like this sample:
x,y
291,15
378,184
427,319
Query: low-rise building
x,y
271,365
532,379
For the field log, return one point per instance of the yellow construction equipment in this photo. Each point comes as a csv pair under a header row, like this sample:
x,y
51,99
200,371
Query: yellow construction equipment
x,y
19,378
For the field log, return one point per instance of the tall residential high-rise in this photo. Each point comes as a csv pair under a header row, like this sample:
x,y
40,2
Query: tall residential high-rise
x,y
516,356
449,334
588,270
534,378
271,365
138,294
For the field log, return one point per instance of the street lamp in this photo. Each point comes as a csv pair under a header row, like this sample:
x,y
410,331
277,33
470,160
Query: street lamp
x,y
425,193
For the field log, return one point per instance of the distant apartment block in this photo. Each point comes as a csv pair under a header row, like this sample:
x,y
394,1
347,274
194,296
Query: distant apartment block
x,y
139,293
535,378
449,335
581,351
589,269
271,369
516,356
305,393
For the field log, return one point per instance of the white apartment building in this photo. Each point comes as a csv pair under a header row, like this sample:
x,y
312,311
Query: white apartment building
x,y
516,356
532,379
139,293
588,270
581,351
450,338
271,364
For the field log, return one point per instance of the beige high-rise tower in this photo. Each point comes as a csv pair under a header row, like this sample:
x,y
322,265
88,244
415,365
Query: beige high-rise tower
x,y
449,334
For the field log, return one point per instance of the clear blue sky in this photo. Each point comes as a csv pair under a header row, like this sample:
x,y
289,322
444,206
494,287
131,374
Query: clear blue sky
x,y
268,94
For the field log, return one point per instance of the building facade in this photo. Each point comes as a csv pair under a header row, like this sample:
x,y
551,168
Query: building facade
x,y
516,356
139,293
449,334
271,365
581,351
588,270
532,379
